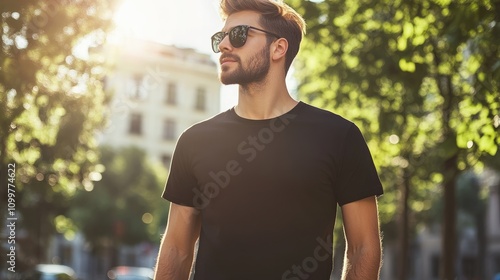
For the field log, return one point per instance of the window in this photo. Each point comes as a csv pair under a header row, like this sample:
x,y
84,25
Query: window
x,y
200,102
171,94
169,129
137,89
135,125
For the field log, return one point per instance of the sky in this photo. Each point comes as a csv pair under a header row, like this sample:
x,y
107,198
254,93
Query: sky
x,y
183,23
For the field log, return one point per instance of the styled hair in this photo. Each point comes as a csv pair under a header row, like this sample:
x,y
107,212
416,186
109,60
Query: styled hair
x,y
276,17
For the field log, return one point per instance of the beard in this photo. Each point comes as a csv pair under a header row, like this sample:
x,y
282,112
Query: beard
x,y
257,70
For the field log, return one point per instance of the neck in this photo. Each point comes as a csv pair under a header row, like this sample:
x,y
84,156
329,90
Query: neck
x,y
264,100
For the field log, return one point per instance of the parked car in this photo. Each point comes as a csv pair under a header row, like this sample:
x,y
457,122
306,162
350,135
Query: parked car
x,y
51,272
130,273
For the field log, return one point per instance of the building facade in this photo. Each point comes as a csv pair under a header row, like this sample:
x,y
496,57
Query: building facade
x,y
478,245
157,92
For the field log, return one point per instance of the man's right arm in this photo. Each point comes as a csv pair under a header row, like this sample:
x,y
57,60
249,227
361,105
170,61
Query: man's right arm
x,y
177,247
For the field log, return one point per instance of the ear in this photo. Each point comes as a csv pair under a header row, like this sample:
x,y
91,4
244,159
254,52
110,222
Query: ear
x,y
279,48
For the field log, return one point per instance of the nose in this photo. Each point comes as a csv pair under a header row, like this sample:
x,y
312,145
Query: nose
x,y
225,44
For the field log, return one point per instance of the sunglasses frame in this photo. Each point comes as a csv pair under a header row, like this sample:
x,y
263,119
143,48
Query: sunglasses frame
x,y
219,36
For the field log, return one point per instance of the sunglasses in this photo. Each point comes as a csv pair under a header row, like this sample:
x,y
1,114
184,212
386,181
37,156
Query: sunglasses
x,y
237,36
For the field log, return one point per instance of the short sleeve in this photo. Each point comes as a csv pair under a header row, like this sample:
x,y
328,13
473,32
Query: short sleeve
x,y
358,176
181,181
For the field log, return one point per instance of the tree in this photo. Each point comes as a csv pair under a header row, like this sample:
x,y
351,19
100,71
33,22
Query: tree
x,y
473,208
124,207
420,79
51,100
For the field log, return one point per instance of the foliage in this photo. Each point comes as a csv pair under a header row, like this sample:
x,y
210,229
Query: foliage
x,y
51,101
420,78
124,206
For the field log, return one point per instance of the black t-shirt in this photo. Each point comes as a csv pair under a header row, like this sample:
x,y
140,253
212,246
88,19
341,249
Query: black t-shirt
x,y
268,191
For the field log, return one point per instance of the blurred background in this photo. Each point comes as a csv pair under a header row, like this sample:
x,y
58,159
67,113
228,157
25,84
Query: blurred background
x,y
93,95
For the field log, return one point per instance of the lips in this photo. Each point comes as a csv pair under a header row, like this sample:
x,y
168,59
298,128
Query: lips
x,y
227,59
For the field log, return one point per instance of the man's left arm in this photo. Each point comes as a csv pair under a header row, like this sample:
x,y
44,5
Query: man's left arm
x,y
363,244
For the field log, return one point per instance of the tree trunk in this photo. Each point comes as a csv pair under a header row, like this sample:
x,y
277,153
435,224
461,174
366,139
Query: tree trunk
x,y
449,153
449,239
404,235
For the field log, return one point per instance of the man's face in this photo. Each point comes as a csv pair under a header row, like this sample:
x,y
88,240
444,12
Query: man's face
x,y
249,63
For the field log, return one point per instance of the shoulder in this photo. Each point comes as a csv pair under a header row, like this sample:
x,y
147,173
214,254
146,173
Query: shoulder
x,y
207,127
325,118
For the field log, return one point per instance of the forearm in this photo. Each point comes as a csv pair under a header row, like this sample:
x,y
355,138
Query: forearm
x,y
362,264
173,264
363,243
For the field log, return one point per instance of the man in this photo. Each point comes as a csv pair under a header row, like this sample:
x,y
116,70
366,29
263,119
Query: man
x,y
258,185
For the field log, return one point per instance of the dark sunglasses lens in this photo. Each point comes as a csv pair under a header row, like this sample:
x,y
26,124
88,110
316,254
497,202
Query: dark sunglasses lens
x,y
238,36
216,39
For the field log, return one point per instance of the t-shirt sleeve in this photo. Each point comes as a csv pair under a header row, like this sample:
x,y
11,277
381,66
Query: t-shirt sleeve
x,y
181,181
358,176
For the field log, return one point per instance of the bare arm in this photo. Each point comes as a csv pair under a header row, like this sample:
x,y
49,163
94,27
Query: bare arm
x,y
363,244
177,247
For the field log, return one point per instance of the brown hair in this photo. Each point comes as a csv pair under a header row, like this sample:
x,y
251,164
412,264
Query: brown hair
x,y
276,17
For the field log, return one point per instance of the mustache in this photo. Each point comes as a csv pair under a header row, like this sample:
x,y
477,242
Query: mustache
x,y
229,56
